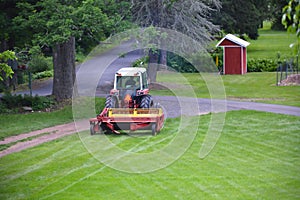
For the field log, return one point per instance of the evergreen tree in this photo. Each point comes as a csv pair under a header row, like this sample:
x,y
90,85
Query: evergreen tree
x,y
241,17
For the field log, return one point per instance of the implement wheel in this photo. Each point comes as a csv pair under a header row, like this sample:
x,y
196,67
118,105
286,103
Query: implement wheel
x,y
153,129
92,130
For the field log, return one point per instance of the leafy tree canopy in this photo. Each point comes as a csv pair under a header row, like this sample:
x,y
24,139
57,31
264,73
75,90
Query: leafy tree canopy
x,y
4,58
55,21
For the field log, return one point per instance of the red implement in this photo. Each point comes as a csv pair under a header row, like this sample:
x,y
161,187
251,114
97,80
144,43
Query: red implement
x,y
115,119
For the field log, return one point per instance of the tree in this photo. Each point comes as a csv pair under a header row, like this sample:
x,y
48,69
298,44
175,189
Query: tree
x,y
190,17
276,13
11,35
4,67
241,16
290,19
56,24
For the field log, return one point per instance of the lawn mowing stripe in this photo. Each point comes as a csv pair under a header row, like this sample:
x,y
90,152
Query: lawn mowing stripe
x,y
135,148
242,190
40,164
63,174
133,186
206,190
73,183
257,156
150,144
265,182
33,157
116,141
268,154
274,148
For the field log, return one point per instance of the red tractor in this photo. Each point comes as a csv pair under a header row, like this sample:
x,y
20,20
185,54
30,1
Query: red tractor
x,y
129,105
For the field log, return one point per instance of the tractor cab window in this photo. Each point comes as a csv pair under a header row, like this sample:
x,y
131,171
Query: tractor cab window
x,y
128,82
145,81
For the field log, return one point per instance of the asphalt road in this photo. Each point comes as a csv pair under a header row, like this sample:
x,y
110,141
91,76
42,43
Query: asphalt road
x,y
94,77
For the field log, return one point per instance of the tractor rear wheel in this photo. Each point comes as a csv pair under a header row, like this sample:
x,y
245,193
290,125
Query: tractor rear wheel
x,y
110,102
146,101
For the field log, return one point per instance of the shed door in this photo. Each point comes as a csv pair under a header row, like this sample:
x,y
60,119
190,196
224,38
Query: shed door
x,y
233,62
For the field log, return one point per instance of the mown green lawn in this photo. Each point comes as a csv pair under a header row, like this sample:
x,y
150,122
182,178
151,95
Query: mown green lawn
x,y
260,87
271,43
256,157
14,124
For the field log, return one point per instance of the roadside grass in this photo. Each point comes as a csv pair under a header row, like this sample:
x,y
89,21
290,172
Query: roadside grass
x,y
259,87
14,124
256,157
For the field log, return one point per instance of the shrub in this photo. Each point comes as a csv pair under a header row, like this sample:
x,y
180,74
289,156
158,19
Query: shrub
x,y
40,63
262,65
12,103
44,74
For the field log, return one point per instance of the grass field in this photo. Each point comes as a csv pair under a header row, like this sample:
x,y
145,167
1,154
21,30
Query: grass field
x,y
256,157
14,124
270,43
260,87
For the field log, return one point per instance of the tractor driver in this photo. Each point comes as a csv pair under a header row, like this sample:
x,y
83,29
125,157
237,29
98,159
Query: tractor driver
x,y
130,82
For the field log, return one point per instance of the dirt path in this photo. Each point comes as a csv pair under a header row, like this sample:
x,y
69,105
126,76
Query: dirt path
x,y
34,138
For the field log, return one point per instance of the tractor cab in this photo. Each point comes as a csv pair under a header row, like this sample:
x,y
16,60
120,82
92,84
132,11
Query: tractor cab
x,y
129,78
130,89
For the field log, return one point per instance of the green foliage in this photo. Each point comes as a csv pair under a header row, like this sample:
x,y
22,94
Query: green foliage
x,y
14,103
40,63
241,17
142,62
54,22
180,64
4,57
44,74
262,65
291,13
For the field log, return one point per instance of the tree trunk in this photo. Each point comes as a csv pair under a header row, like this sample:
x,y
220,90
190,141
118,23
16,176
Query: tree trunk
x,y
64,69
163,60
153,65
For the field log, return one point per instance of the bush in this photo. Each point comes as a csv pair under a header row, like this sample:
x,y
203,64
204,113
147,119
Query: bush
x,y
40,63
13,103
262,65
44,74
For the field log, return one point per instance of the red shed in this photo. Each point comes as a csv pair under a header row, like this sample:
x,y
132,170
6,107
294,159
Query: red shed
x,y
234,54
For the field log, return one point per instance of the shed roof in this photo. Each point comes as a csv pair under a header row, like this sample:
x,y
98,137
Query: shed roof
x,y
235,40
